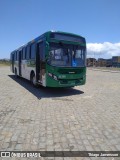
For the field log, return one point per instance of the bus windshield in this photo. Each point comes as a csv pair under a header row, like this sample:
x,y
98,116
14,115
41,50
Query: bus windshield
x,y
66,55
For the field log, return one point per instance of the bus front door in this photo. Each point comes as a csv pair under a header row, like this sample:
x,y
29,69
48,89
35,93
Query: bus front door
x,y
39,63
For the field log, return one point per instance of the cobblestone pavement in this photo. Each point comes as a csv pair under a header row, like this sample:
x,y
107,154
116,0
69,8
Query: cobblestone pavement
x,y
85,118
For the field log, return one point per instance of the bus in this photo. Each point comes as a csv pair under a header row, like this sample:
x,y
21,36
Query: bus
x,y
54,59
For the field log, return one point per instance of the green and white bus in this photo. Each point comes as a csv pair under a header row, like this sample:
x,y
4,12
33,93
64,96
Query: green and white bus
x,y
54,59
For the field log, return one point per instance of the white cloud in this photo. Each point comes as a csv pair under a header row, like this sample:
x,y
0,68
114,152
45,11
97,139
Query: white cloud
x,y
105,50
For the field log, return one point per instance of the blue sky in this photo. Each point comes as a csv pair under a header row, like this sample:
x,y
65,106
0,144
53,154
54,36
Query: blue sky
x,y
97,20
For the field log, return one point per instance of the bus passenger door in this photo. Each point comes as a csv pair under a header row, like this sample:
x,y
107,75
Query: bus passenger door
x,y
40,70
19,63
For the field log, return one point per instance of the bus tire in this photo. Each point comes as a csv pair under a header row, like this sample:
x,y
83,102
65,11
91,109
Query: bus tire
x,y
33,79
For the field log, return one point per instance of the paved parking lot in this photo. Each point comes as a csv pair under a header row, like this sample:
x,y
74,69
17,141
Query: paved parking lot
x,y
81,118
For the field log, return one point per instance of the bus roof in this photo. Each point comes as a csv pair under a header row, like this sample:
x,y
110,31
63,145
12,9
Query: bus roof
x,y
65,33
42,36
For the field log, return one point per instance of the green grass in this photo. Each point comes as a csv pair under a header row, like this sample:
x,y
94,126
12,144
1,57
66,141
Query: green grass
x,y
4,64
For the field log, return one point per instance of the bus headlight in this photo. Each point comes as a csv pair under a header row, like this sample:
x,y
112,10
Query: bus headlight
x,y
50,74
53,76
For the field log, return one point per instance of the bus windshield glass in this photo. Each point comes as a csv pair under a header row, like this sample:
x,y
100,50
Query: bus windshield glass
x,y
66,55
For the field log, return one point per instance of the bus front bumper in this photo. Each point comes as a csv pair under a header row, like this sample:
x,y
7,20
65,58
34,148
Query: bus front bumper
x,y
54,82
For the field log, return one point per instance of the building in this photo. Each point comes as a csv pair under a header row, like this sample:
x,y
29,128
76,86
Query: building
x,y
91,62
116,61
108,62
101,62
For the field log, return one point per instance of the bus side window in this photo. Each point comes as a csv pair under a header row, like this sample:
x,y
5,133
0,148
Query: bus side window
x,y
17,55
14,56
33,51
24,53
41,51
28,52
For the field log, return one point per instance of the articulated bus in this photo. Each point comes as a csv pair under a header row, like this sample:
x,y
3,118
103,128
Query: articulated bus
x,y
54,59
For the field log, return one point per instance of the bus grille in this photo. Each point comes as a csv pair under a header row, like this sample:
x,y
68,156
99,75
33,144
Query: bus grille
x,y
70,71
67,81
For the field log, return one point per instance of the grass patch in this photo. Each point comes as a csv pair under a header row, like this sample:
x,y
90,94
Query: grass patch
x,y
4,64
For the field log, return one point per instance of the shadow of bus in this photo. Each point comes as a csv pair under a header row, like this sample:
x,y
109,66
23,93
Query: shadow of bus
x,y
45,92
